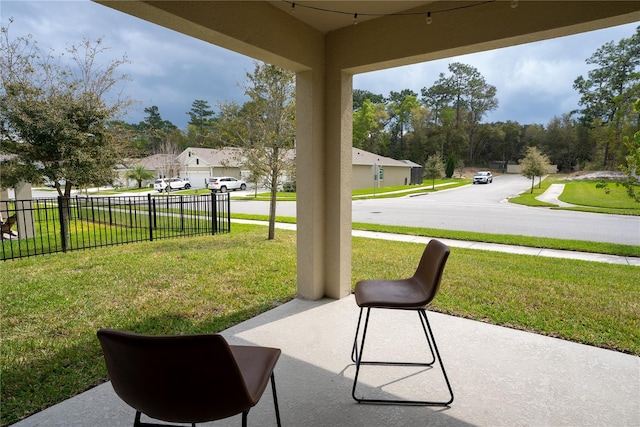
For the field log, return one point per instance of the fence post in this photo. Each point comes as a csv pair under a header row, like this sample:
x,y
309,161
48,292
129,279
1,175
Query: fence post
x,y
152,214
214,213
131,221
61,216
109,210
79,214
181,213
228,213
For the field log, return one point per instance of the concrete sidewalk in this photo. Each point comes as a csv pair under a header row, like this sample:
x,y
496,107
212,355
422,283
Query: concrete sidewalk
x,y
499,376
551,195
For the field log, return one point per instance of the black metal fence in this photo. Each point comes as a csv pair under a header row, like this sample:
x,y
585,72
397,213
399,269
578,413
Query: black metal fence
x,y
47,225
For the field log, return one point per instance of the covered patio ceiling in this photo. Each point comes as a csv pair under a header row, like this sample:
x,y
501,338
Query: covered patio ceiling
x,y
387,33
325,43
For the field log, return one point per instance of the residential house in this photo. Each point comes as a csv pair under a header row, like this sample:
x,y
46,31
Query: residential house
x,y
371,170
198,164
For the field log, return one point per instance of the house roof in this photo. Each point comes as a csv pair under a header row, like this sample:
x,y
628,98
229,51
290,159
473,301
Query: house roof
x,y
233,157
221,157
410,163
156,161
216,157
362,157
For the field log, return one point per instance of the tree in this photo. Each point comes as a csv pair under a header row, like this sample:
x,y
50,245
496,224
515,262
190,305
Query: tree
x,y
438,97
479,97
632,166
460,167
264,127
417,143
368,126
168,151
54,115
503,143
158,130
433,169
360,96
534,164
450,167
401,107
607,95
199,118
139,174
470,97
561,143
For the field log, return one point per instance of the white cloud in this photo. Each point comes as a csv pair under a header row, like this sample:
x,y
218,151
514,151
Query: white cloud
x,y
170,70
534,81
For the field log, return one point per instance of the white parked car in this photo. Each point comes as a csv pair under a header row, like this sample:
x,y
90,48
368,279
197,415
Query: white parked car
x,y
173,183
483,178
225,183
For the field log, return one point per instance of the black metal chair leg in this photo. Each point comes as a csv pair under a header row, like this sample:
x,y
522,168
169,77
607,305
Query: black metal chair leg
x,y
426,335
244,418
275,399
357,354
354,351
435,347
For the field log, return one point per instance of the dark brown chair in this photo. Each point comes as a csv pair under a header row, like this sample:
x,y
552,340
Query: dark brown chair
x,y
413,293
187,378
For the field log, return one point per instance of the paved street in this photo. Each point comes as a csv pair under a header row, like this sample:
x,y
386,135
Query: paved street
x,y
480,208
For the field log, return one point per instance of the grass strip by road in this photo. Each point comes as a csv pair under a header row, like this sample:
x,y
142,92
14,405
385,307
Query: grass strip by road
x,y
371,193
504,239
584,195
53,305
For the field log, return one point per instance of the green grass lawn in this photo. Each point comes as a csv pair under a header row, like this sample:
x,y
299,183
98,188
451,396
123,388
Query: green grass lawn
x,y
587,194
53,305
584,195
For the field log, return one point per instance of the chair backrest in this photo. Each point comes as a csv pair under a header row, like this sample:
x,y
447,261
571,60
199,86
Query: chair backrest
x,y
179,378
429,272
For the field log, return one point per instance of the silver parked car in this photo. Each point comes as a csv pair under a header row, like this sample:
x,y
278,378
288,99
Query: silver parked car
x,y
225,183
173,183
483,178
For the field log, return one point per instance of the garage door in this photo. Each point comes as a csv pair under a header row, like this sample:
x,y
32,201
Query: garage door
x,y
198,178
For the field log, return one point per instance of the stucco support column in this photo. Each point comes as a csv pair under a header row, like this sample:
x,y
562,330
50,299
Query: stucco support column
x,y
323,167
4,203
26,223
310,210
338,167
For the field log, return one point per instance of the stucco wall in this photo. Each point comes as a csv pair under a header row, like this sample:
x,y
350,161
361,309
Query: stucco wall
x,y
362,176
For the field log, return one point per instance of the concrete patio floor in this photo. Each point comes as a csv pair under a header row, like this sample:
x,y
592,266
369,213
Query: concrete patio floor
x,y
499,376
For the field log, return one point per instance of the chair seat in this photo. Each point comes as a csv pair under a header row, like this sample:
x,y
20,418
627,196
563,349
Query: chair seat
x,y
397,294
256,365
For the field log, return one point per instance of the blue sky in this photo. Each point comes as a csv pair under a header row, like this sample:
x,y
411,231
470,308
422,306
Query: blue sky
x,y
534,81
